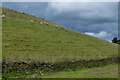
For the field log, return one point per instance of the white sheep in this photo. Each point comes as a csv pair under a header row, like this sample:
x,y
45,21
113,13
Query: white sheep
x,y
3,16
46,23
41,22
32,20
56,25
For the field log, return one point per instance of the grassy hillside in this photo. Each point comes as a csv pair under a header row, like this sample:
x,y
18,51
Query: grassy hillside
x,y
24,40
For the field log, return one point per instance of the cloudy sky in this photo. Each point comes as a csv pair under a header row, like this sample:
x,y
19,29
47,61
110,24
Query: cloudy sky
x,y
99,19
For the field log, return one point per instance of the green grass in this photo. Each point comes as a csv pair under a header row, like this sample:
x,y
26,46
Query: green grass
x,y
109,71
24,40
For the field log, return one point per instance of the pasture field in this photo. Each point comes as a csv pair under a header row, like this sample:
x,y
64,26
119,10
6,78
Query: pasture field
x,y
24,40
28,42
109,71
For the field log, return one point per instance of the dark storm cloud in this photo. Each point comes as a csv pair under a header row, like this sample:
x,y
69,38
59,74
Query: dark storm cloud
x,y
36,8
98,19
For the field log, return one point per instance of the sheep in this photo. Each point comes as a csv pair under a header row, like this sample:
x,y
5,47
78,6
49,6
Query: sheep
x,y
3,16
46,23
32,20
41,22
56,25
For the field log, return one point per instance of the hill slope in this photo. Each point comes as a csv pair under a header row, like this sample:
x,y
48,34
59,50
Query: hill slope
x,y
25,38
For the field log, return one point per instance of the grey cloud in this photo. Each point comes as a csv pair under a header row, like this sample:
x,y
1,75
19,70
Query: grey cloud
x,y
86,17
92,17
36,8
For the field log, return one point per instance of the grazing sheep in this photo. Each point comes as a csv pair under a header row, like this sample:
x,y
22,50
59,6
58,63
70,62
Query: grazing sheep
x,y
56,25
41,22
32,20
3,16
46,23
